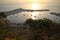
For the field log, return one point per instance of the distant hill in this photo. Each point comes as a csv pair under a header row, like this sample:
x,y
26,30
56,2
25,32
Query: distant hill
x,y
24,10
12,12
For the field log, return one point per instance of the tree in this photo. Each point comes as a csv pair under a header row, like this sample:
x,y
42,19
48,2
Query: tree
x,y
3,29
2,15
44,26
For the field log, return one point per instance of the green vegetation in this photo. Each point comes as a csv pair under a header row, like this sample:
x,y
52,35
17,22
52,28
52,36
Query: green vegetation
x,y
3,26
2,15
3,29
44,26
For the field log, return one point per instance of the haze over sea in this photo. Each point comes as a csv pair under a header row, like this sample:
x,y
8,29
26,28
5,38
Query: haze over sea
x,y
52,5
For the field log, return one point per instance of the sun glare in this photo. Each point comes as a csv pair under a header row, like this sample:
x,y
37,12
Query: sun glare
x,y
34,15
34,7
33,18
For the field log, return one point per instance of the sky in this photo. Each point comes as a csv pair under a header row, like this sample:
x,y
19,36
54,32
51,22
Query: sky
x,y
28,1
12,4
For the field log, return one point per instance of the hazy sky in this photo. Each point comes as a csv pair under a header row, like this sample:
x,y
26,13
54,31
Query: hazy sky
x,y
6,4
28,1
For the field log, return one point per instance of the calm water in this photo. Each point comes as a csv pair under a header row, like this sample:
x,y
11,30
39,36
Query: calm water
x,y
54,6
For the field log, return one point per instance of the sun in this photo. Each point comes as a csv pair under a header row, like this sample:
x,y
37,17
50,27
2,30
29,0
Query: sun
x,y
35,6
